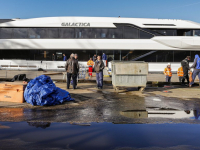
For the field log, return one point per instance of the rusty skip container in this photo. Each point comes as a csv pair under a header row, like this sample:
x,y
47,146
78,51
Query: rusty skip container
x,y
129,74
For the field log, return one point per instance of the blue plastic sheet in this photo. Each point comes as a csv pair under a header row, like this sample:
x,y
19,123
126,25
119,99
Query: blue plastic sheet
x,y
42,91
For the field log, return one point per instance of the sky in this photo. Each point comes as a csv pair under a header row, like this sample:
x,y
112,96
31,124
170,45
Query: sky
x,y
162,9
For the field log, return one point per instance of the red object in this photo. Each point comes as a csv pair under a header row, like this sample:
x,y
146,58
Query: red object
x,y
90,71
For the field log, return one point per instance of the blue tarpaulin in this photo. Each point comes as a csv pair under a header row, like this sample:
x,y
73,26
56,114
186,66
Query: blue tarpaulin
x,y
42,91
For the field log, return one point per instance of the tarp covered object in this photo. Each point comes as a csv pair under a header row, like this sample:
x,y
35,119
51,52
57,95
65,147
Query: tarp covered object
x,y
42,91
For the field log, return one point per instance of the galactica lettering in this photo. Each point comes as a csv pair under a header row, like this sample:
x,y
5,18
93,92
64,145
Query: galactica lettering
x,y
75,24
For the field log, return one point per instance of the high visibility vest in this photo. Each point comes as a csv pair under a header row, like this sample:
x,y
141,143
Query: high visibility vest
x,y
180,72
168,72
90,63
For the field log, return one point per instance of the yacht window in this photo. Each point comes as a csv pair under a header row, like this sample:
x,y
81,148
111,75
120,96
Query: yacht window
x,y
38,33
66,33
6,33
130,33
196,32
20,33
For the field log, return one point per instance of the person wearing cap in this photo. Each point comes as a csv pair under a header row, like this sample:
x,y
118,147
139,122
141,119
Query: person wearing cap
x,y
180,74
185,65
168,73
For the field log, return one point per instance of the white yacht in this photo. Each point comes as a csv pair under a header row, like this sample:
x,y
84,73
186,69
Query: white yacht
x,y
151,40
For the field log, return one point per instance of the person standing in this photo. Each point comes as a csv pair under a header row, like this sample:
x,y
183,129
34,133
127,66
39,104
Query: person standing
x,y
64,57
180,74
53,57
185,65
72,69
104,58
90,64
196,66
168,73
76,59
94,58
99,66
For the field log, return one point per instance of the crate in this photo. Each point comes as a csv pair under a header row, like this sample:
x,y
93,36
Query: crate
x,y
12,92
12,86
12,96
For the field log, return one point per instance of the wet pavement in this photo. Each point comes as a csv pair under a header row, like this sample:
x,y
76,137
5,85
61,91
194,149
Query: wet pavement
x,y
165,117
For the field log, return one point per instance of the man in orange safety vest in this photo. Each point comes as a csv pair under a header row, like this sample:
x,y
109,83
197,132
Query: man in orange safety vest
x,y
180,74
168,73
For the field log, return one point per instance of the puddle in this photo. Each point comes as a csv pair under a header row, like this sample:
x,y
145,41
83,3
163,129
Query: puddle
x,y
156,112
122,93
98,136
135,113
156,99
4,127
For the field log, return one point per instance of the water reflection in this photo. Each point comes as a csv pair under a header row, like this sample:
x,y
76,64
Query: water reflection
x,y
42,125
99,136
161,113
196,114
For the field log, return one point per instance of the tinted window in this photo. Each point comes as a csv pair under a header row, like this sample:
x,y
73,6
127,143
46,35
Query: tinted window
x,y
53,33
130,33
188,33
37,33
145,35
196,32
115,33
99,33
6,33
165,32
67,33
82,33
20,33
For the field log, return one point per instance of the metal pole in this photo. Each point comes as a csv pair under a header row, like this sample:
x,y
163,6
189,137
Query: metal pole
x,y
113,55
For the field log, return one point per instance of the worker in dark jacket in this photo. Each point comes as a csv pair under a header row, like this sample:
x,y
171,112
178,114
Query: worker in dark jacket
x,y
72,70
94,58
196,66
185,65
76,58
98,67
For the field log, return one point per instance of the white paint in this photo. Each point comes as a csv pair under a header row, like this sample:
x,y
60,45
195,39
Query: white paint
x,y
86,44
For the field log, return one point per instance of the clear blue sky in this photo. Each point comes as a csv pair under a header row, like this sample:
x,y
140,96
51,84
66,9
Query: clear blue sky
x,y
166,9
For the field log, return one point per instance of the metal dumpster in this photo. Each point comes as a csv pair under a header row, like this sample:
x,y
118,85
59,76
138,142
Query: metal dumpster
x,y
129,74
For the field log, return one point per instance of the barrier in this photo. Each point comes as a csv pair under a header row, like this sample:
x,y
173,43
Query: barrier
x,y
59,65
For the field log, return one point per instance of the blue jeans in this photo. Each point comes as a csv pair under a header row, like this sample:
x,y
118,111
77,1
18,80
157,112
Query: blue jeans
x,y
168,79
99,79
194,74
